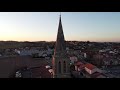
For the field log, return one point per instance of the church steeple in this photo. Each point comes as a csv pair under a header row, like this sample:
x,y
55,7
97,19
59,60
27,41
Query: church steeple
x,y
60,61
60,42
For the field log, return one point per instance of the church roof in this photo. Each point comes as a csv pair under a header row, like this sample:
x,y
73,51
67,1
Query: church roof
x,y
60,42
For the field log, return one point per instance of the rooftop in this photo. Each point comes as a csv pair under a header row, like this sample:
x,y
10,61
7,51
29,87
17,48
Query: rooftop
x,y
78,63
40,72
90,66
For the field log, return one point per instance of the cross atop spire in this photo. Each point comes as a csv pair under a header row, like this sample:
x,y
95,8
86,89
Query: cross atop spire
x,y
60,14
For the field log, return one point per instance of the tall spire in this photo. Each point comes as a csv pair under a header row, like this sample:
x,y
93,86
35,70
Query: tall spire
x,y
60,42
60,61
60,14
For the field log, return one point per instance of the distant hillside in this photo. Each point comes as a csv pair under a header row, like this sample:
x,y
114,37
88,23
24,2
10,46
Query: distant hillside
x,y
15,44
10,44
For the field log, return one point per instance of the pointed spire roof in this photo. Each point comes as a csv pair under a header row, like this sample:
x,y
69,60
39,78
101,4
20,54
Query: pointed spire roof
x,y
60,42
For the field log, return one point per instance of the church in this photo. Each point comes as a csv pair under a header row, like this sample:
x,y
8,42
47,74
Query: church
x,y
60,61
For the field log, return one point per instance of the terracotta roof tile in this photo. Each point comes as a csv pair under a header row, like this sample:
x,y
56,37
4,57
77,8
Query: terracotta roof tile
x,y
79,63
90,66
81,66
40,72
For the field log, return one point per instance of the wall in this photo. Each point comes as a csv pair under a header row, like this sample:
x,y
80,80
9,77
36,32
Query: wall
x,y
91,71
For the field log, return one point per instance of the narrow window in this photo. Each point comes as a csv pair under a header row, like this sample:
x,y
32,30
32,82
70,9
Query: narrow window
x,y
59,67
64,67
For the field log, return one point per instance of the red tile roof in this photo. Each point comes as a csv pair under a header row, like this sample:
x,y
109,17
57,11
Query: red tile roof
x,y
90,66
81,66
94,75
78,63
40,72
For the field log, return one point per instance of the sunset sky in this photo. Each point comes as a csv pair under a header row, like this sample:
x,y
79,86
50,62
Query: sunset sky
x,y
43,26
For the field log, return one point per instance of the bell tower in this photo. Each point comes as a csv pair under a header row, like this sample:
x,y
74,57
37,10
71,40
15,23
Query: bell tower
x,y
60,61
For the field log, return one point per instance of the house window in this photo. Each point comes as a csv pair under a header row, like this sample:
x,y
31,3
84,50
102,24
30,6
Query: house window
x,y
59,67
64,67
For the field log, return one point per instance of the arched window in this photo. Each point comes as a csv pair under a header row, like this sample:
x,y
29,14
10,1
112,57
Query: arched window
x,y
64,67
59,67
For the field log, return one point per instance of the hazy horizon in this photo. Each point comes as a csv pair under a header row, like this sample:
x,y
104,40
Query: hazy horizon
x,y
43,26
55,41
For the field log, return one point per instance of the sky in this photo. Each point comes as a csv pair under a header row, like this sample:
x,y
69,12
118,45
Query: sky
x,y
43,26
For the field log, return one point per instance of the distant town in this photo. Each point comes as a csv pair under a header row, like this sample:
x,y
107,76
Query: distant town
x,y
100,57
59,59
